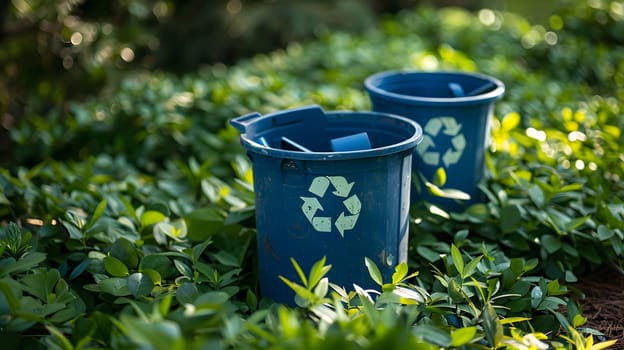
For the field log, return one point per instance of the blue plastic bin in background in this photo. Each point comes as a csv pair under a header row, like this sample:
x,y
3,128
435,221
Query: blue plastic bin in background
x,y
333,184
454,109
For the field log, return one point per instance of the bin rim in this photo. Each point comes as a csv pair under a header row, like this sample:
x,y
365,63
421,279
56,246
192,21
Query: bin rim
x,y
372,82
408,144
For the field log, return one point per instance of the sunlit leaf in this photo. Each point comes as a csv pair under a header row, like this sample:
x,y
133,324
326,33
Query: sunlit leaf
x,y
151,217
510,121
373,271
462,336
439,178
300,272
317,272
400,271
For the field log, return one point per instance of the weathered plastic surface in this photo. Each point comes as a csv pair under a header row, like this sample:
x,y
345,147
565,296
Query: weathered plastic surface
x,y
454,109
314,201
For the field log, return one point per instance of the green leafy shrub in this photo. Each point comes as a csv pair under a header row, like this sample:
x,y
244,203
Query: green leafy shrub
x,y
135,227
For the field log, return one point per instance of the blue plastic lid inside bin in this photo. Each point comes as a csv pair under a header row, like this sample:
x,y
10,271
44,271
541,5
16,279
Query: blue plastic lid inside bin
x,y
310,133
356,142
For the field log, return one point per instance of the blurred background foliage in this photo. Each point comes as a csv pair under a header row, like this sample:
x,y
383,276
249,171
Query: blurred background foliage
x,y
55,51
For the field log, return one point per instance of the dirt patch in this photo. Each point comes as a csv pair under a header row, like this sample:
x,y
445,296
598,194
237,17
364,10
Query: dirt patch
x,y
603,304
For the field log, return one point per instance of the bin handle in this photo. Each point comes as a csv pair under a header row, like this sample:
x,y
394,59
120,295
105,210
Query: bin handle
x,y
241,123
281,118
297,115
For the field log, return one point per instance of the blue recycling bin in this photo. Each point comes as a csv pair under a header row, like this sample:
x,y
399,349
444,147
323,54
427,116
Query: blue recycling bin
x,y
454,109
333,184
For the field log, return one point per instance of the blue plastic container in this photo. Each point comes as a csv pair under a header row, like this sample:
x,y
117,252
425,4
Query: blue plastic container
x,y
454,109
333,184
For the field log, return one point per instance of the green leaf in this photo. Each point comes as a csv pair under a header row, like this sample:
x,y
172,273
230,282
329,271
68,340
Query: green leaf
x,y
204,222
321,288
300,273
575,223
458,260
140,285
126,252
453,193
226,258
478,212
510,218
186,293
428,253
471,266
41,283
73,231
199,249
97,214
510,320
240,215
57,340
151,217
578,320
462,336
115,267
25,263
537,195
158,205
536,296
153,275
156,262
554,288
252,300
114,286
165,304
400,271
368,306
78,270
551,243
455,291
317,272
306,295
212,300
510,121
373,271
434,335
604,233
183,268
492,326
159,335
4,200
450,193
439,178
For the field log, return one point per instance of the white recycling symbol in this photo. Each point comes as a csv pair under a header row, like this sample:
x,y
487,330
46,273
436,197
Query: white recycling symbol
x,y
342,188
449,127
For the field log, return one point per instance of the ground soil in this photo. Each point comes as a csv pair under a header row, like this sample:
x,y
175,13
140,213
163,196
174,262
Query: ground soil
x,y
603,304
